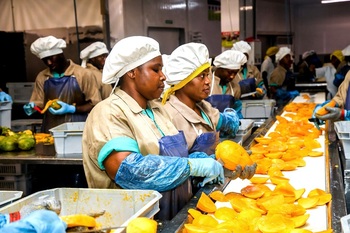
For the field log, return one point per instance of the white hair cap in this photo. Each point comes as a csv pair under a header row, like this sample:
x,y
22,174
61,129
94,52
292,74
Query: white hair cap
x,y
230,59
47,46
91,51
308,54
346,51
185,60
282,52
128,54
242,46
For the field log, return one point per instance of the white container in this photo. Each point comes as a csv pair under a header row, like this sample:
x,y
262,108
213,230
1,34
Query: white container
x,y
9,196
252,109
342,128
67,139
345,223
5,114
244,131
120,205
20,92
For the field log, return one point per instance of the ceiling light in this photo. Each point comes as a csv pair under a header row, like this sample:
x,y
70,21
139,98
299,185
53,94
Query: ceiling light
x,y
333,1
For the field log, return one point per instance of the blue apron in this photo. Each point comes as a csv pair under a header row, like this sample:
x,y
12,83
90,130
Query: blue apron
x,y
174,200
67,90
247,85
347,100
221,101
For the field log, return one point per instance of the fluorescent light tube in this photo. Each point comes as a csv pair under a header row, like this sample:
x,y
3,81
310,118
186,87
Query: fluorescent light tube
x,y
333,1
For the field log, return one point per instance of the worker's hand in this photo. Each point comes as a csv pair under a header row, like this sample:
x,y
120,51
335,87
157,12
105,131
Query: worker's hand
x,y
314,119
228,123
5,97
39,221
29,108
209,168
338,79
65,108
293,94
233,174
260,92
248,171
333,114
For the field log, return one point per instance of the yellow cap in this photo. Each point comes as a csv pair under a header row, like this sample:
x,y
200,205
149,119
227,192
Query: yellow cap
x,y
272,51
338,54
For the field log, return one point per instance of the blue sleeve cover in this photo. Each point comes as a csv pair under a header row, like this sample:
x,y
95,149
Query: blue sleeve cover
x,y
160,173
117,144
347,115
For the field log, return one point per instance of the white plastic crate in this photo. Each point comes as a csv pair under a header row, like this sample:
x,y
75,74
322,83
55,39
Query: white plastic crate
x,y
244,131
7,197
67,139
120,205
342,128
20,92
258,108
5,114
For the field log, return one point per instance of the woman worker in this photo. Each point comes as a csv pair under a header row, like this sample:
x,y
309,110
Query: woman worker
x,y
224,92
187,70
129,141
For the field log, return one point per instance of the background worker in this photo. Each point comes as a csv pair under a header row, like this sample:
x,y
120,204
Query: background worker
x,y
135,145
282,81
74,86
343,68
249,78
188,74
224,91
93,58
267,66
307,66
328,71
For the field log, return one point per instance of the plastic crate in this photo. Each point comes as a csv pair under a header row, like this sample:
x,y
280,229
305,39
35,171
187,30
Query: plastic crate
x,y
120,205
20,92
342,128
244,131
16,183
12,169
258,108
24,124
7,197
5,114
67,139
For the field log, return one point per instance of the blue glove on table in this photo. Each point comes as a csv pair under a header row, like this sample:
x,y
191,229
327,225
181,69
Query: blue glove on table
x,y
210,169
5,97
65,108
228,123
40,221
293,94
29,108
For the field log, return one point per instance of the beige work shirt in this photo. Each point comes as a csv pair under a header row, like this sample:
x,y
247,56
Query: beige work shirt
x,y
277,76
85,79
105,89
187,120
233,88
121,116
340,97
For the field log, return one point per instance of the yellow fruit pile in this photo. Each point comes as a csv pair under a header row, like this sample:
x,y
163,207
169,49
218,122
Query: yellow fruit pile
x,y
45,138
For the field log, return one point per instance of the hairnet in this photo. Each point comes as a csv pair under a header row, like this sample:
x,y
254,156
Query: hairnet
x,y
346,51
184,64
47,46
282,52
242,46
230,59
128,54
93,50
272,51
308,54
338,54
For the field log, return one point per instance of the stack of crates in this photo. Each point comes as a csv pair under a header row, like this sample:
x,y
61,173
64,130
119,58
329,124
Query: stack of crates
x,y
20,92
15,177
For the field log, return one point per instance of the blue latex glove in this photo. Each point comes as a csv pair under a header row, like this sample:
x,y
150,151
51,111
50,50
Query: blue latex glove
x,y
335,113
317,122
338,79
228,123
209,168
156,172
40,221
29,108
200,155
5,97
282,94
237,106
65,108
293,94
